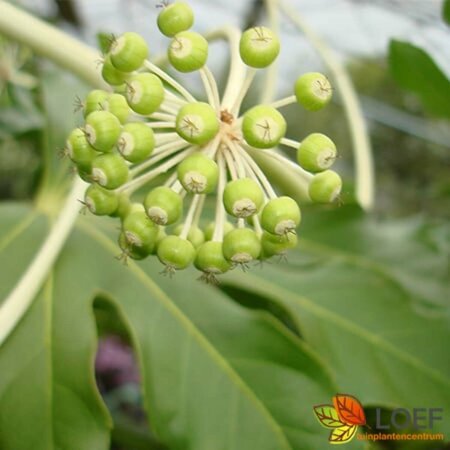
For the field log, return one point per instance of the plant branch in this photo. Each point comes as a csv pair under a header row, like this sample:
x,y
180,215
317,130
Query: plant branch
x,y
237,68
21,297
81,60
51,43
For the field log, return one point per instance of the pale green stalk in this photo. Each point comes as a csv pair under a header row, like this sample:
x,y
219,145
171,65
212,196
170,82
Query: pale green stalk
x,y
20,298
81,60
51,43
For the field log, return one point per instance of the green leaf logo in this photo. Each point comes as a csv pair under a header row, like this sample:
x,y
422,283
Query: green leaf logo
x,y
328,416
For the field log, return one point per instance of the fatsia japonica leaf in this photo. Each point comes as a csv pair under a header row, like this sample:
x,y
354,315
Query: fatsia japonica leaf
x,y
214,375
353,291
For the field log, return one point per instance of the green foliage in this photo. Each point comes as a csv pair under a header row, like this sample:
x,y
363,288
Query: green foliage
x,y
213,372
416,71
446,11
372,300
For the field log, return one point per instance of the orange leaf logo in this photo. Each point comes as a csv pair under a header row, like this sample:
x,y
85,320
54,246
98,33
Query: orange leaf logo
x,y
342,434
349,410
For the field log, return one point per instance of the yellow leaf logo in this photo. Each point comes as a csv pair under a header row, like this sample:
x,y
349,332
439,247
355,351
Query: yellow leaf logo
x,y
342,434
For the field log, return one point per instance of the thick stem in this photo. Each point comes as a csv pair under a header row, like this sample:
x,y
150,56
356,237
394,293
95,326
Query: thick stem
x,y
51,43
81,60
19,300
237,68
365,178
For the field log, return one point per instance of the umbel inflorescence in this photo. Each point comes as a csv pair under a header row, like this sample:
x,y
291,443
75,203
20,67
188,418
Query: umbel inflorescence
x,y
149,127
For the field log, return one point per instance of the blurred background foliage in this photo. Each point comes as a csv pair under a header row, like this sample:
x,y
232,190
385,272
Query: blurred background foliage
x,y
408,125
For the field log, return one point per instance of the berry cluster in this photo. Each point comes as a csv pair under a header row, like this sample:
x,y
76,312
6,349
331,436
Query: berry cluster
x,y
149,125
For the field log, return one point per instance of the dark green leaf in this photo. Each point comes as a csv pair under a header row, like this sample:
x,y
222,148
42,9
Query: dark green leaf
x,y
372,299
415,71
215,375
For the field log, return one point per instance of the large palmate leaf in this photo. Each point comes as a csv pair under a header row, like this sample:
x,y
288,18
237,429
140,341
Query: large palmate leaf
x,y
215,375
354,292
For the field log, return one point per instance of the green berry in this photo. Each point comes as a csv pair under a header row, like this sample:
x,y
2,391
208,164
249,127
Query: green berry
x,y
325,187
210,259
109,170
140,231
132,251
243,198
197,123
195,235
277,245
280,216
198,174
161,235
144,93
136,142
188,51
176,253
163,205
316,153
263,127
175,18
85,175
128,52
111,75
313,91
117,105
123,206
99,201
241,246
79,150
102,130
95,101
259,47
209,229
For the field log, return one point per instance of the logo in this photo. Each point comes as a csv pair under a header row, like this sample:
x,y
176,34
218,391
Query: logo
x,y
346,414
342,417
